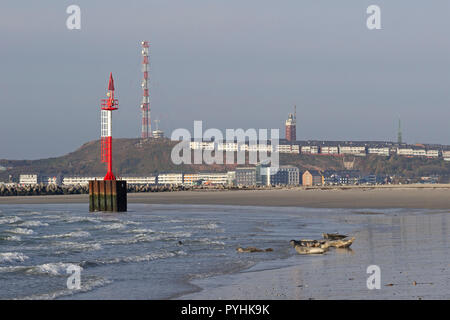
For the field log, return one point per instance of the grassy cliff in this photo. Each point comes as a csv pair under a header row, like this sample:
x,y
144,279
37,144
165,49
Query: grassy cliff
x,y
134,158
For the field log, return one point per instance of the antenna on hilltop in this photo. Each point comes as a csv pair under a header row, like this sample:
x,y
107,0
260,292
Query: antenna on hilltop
x,y
399,134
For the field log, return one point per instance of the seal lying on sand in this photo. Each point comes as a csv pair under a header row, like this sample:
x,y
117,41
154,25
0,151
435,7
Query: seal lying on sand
x,y
334,236
341,243
309,250
320,244
253,249
310,243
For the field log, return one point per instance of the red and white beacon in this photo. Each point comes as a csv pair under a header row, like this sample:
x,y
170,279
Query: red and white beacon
x,y
108,105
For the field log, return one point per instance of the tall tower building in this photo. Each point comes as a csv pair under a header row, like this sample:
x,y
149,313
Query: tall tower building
x,y
399,134
146,131
291,126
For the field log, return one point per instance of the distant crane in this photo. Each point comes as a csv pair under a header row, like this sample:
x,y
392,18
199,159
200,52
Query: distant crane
x,y
108,106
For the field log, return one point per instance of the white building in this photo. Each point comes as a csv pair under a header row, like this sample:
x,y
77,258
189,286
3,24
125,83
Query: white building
x,y
381,151
201,145
310,149
446,155
432,153
209,178
74,180
287,148
355,150
170,178
329,150
29,179
231,177
139,180
419,152
405,151
228,146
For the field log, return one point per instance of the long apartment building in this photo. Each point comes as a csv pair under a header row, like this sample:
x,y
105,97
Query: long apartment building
x,y
206,178
329,148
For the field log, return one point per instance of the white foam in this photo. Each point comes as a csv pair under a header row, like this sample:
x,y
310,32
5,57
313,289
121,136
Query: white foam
x,y
9,220
111,226
176,234
12,238
33,224
210,241
143,230
20,231
76,246
136,239
52,269
81,219
31,213
86,285
132,223
141,258
12,257
209,226
74,234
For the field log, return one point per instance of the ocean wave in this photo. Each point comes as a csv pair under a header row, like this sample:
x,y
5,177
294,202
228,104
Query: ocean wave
x,y
12,257
30,213
81,219
36,223
77,247
51,269
141,231
111,226
130,259
134,223
74,234
209,226
174,221
86,285
209,241
20,231
176,234
131,240
9,220
11,238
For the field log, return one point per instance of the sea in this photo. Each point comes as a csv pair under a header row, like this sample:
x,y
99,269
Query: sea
x,y
151,251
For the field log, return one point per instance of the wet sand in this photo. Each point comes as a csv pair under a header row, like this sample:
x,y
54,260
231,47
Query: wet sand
x,y
378,197
411,250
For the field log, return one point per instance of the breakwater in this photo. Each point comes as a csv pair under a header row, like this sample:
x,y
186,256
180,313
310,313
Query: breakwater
x,y
49,190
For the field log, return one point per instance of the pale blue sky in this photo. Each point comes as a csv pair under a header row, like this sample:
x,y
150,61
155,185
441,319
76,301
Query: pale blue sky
x,y
230,63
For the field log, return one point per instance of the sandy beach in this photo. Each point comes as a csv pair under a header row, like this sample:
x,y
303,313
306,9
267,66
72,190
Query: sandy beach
x,y
356,197
410,248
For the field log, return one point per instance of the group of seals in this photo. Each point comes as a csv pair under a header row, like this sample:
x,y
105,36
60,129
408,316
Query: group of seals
x,y
321,246
311,246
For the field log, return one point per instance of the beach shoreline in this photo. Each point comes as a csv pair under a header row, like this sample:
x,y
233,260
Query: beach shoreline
x,y
436,197
399,243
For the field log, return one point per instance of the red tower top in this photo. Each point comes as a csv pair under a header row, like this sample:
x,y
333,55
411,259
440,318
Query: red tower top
x,y
111,82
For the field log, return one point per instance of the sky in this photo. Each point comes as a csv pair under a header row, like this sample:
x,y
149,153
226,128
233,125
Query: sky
x,y
232,64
